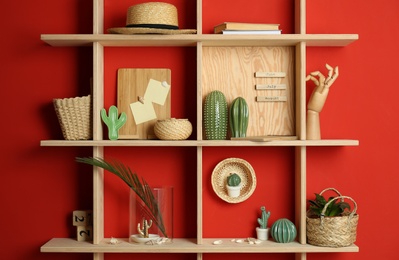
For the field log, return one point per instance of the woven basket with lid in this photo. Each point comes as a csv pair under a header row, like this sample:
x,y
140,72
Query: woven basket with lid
x,y
173,129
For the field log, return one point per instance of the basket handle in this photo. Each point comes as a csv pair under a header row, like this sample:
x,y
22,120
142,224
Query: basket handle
x,y
334,190
342,198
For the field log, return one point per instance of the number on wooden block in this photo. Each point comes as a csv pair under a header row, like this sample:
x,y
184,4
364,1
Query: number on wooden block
x,y
84,233
82,217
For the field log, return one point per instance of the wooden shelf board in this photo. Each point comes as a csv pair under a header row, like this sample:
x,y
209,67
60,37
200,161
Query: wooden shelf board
x,y
192,40
68,245
193,143
269,246
278,40
119,40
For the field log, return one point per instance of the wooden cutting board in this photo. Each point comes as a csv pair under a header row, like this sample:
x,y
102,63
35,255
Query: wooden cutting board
x,y
132,83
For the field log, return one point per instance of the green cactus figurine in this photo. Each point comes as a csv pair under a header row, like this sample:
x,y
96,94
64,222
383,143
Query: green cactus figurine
x,y
113,122
215,116
264,217
283,231
143,231
239,115
233,180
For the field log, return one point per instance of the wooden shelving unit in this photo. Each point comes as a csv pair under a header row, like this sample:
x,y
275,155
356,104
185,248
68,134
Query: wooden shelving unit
x,y
199,245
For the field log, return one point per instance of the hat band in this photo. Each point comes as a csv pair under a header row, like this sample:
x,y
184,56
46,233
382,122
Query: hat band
x,y
155,26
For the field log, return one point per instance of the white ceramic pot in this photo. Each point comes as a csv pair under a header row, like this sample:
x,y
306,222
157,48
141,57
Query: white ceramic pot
x,y
262,233
233,191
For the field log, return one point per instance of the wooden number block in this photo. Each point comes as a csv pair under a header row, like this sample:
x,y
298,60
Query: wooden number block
x,y
84,233
82,218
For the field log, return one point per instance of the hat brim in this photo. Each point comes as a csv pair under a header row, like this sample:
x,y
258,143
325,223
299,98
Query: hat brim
x,y
127,30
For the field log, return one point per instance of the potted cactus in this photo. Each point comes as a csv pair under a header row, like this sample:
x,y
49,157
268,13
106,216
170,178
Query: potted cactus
x,y
233,185
262,231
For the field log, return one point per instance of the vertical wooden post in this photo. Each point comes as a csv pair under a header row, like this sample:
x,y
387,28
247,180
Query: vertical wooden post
x,y
300,16
300,152
98,103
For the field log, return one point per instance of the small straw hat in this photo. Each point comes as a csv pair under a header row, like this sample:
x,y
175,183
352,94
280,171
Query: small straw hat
x,y
153,17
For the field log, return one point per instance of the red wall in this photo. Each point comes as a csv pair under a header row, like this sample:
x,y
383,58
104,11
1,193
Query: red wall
x,y
41,186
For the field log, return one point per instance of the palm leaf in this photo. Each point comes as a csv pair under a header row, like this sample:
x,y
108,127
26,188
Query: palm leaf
x,y
140,187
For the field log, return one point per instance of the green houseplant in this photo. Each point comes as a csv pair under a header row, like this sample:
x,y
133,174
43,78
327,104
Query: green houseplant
x,y
334,208
330,222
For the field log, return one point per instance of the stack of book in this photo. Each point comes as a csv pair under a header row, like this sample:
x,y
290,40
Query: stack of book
x,y
247,28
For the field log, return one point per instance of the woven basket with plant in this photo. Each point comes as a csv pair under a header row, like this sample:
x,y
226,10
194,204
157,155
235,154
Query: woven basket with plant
x,y
330,223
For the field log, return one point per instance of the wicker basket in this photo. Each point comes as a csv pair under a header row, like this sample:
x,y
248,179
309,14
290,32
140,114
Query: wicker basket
x,y
74,116
173,129
243,169
332,231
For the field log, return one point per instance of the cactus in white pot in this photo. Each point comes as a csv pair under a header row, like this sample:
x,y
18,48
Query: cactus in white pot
x,y
262,231
233,185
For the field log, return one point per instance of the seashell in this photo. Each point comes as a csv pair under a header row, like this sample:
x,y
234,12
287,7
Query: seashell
x,y
113,241
217,242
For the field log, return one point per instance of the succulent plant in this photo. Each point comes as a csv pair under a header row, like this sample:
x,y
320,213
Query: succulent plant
x,y
264,218
335,208
233,180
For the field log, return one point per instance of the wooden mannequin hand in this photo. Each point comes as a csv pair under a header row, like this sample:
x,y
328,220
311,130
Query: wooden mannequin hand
x,y
320,93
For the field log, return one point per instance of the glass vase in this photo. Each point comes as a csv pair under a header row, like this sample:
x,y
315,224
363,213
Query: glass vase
x,y
151,224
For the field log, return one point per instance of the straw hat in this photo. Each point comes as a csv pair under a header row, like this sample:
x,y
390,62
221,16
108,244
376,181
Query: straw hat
x,y
153,17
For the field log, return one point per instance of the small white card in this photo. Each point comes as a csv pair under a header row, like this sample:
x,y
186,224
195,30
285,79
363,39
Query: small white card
x,y
270,86
271,98
270,74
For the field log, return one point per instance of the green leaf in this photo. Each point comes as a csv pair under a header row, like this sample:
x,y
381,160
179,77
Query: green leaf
x,y
343,206
320,200
140,187
312,202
